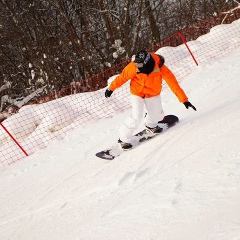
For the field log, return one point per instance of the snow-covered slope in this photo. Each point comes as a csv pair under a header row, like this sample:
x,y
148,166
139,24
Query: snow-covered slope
x,y
182,185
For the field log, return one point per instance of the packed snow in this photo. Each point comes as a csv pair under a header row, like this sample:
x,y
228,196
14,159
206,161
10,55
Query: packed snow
x,y
181,185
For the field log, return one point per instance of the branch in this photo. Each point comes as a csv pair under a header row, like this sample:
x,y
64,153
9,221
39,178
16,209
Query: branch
x,y
5,86
230,11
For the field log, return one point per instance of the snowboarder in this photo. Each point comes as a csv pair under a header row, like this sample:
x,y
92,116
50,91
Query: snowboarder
x,y
145,72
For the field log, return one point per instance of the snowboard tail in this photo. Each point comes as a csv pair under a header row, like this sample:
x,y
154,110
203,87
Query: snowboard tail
x,y
144,135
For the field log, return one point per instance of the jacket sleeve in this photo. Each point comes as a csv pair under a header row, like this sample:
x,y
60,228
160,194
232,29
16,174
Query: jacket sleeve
x,y
128,73
172,82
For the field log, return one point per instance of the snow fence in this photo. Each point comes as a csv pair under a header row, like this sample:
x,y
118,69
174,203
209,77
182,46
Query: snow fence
x,y
37,124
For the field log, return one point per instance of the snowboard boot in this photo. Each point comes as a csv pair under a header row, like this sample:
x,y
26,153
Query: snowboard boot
x,y
125,146
155,130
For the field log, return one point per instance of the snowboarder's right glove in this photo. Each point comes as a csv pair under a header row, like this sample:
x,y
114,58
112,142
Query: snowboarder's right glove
x,y
108,93
188,104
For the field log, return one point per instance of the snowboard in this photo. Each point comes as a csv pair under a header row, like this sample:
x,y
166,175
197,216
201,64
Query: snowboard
x,y
144,135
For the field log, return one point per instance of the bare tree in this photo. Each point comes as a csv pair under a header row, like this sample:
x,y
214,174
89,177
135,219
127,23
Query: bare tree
x,y
46,45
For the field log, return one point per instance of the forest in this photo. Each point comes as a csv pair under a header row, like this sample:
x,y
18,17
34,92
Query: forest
x,y
46,45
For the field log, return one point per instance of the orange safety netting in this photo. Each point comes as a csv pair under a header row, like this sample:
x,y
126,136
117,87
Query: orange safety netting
x,y
53,116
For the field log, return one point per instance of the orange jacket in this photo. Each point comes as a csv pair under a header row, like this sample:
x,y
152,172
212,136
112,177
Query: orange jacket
x,y
150,85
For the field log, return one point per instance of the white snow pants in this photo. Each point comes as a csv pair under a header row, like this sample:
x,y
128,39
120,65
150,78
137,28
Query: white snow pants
x,y
155,113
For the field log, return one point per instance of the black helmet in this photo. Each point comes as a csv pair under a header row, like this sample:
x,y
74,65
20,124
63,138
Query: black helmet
x,y
142,57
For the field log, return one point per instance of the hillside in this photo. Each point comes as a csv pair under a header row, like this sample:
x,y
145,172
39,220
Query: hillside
x,y
182,185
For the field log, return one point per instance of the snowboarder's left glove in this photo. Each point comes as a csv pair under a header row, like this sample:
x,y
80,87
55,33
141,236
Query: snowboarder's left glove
x,y
188,104
108,93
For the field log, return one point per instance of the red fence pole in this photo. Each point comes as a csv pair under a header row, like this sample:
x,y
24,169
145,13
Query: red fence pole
x,y
14,139
185,42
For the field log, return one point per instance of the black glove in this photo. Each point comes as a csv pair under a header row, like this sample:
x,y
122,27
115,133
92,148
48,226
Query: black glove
x,y
188,104
108,93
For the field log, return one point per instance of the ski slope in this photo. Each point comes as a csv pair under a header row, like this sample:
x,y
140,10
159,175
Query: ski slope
x,y
182,185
